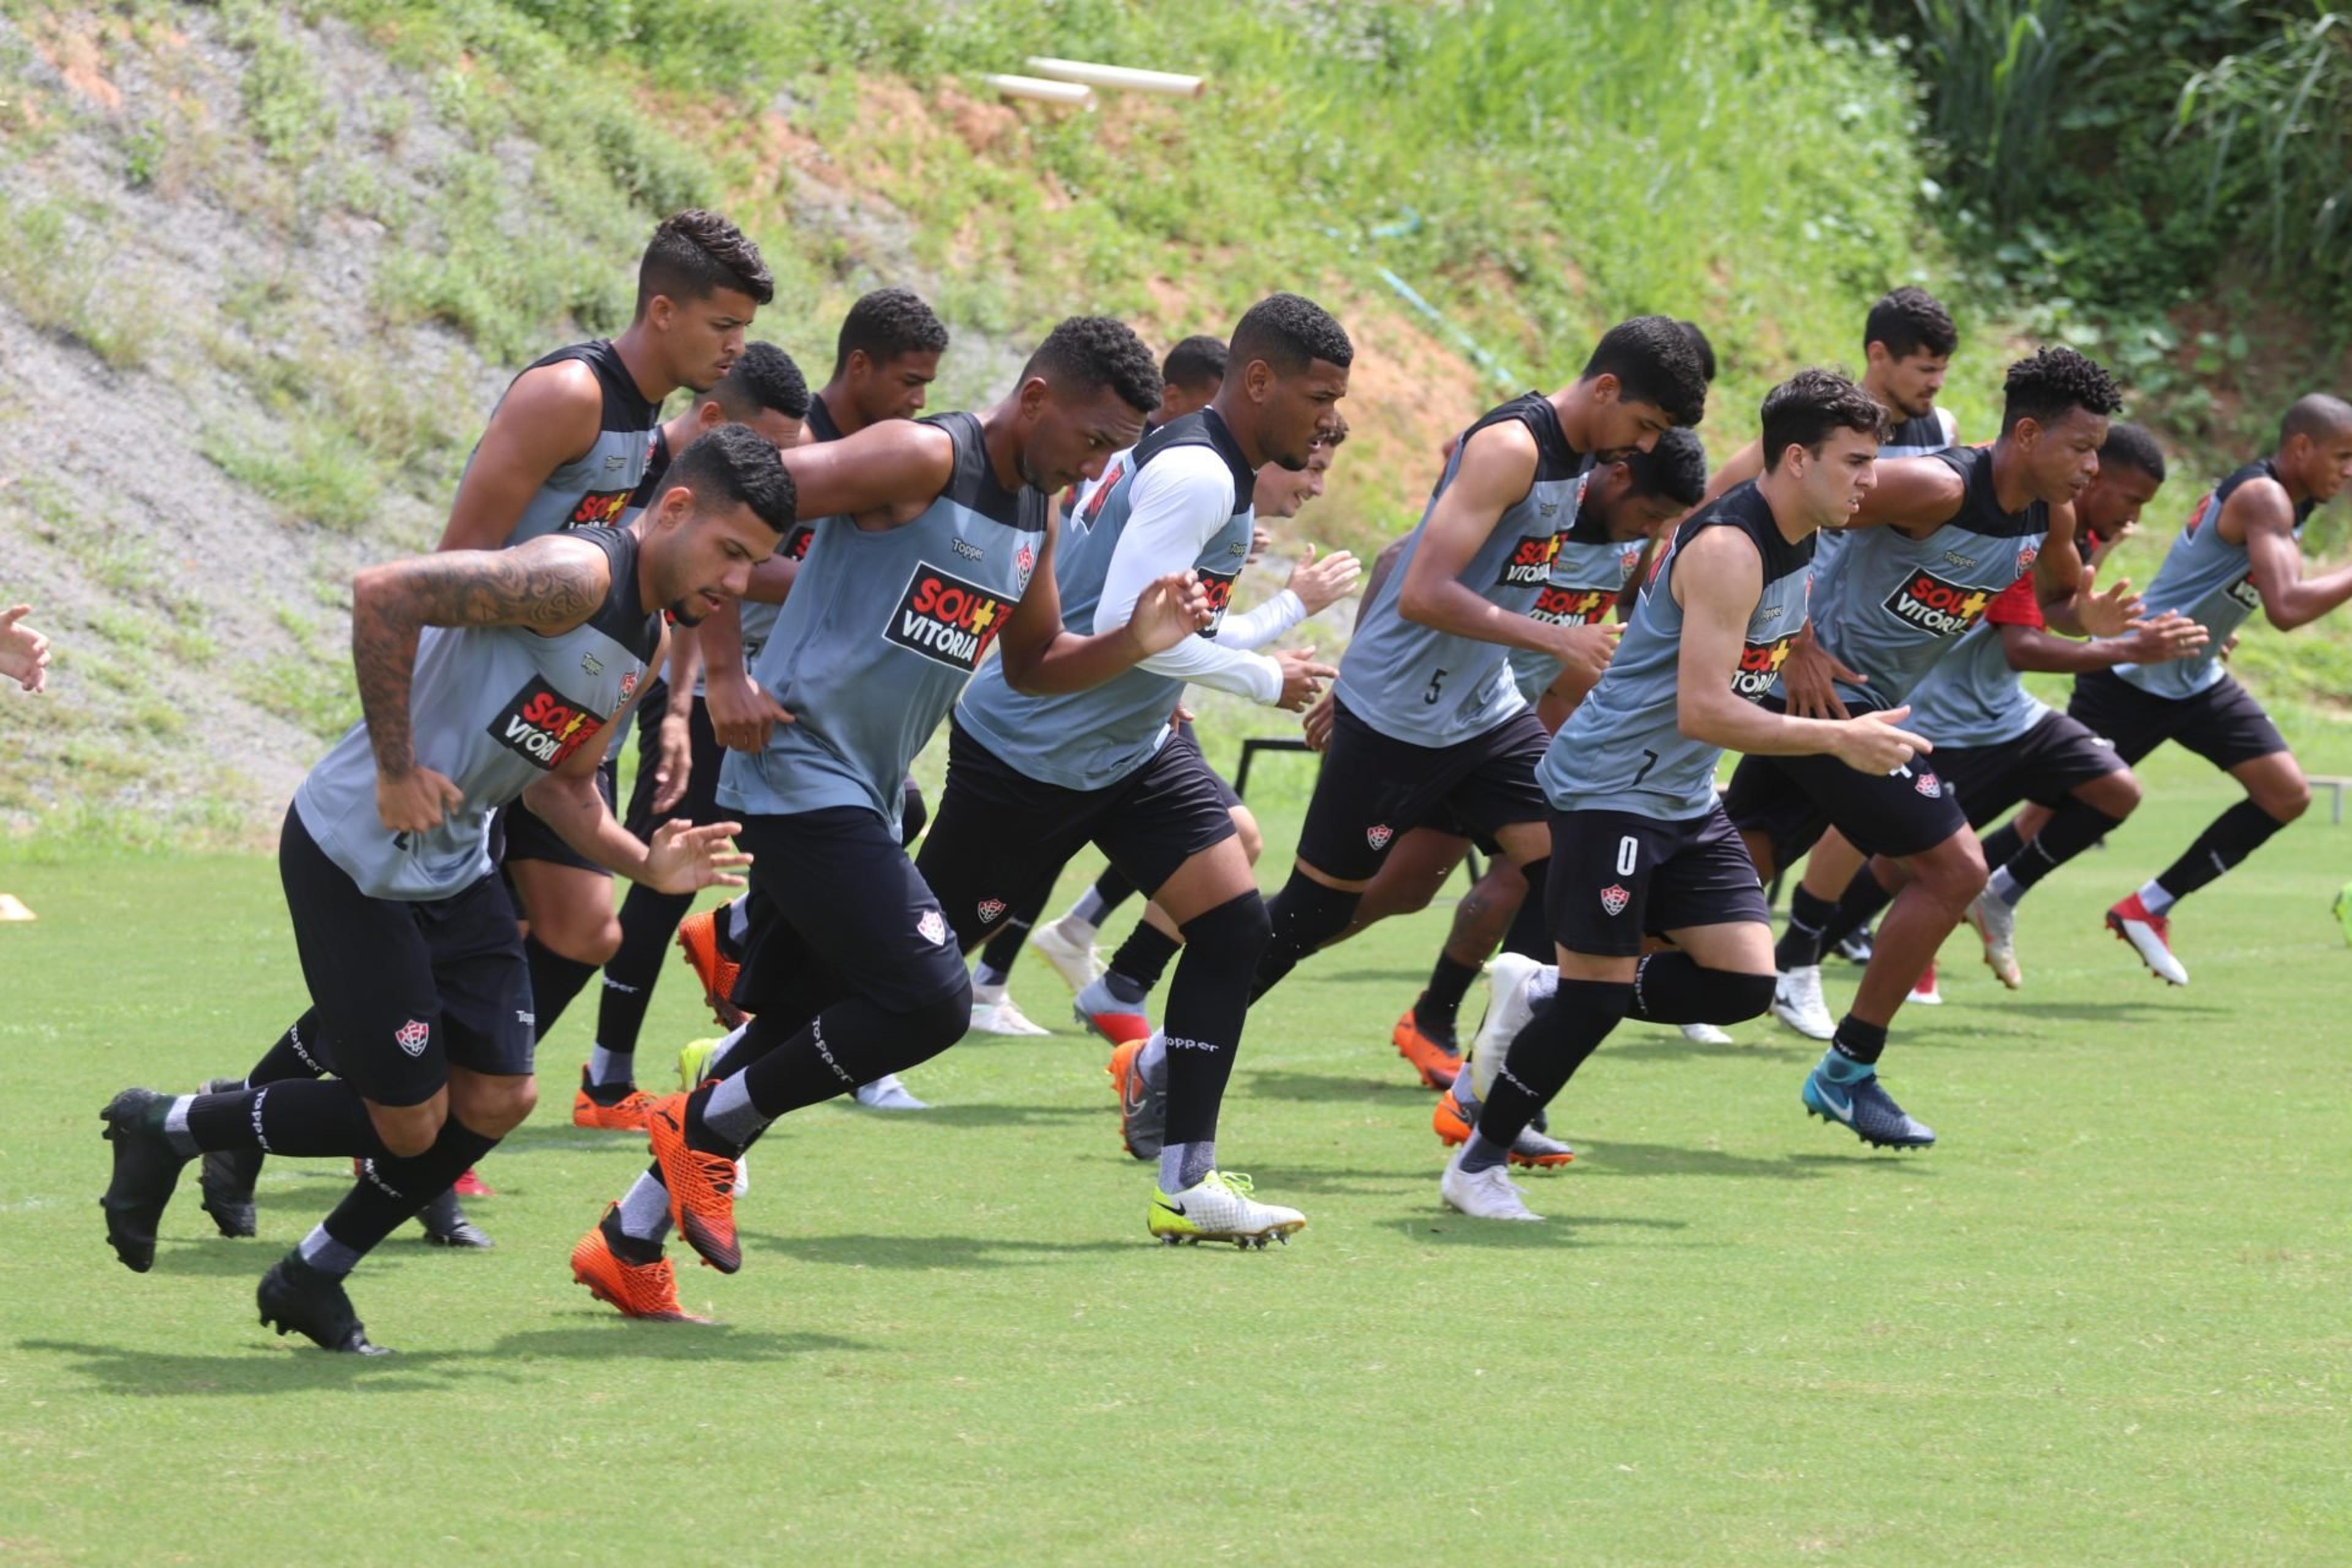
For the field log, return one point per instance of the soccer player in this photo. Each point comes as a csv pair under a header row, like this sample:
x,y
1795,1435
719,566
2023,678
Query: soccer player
x,y
1427,716
1112,1005
1641,845
1908,340
677,751
24,652
935,544
886,356
1189,378
1030,778
1937,537
2241,552
1996,746
564,449
483,676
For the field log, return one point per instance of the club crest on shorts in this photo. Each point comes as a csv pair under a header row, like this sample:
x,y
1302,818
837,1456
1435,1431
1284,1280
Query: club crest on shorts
x,y
1926,785
1613,900
991,910
1377,837
412,1036
932,927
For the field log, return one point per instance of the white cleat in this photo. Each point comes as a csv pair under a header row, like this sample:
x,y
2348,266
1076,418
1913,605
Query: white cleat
x,y
1489,1193
742,1176
2150,936
1923,990
1068,946
1706,1035
994,1013
1220,1207
887,1093
1508,1008
1797,1002
1996,927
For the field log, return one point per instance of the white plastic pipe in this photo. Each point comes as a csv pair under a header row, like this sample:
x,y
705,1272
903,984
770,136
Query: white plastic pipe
x,y
1075,94
1118,77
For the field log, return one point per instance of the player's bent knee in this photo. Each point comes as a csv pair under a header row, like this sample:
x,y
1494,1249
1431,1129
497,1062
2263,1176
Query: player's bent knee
x,y
930,1027
1236,932
2287,805
2117,793
408,1131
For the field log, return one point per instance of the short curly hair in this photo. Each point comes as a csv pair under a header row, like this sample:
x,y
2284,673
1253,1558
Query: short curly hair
x,y
1804,410
1655,361
1086,353
1290,332
1676,468
763,376
738,465
2050,383
694,254
1911,320
886,323
1195,365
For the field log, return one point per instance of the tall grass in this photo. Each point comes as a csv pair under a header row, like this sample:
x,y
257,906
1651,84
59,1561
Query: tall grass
x,y
2273,124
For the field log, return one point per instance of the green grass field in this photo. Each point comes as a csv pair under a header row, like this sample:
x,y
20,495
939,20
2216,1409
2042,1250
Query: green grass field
x,y
2103,1321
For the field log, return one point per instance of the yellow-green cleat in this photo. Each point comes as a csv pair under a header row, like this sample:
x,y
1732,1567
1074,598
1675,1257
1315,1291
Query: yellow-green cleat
x,y
1220,1207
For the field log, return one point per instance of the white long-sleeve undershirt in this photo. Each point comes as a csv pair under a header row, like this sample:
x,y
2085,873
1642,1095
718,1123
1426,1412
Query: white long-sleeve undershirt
x,y
1174,507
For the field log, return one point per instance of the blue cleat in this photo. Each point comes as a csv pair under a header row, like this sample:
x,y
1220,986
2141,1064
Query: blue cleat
x,y
1863,1106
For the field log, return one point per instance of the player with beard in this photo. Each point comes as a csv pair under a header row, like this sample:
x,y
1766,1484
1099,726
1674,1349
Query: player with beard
x,y
484,676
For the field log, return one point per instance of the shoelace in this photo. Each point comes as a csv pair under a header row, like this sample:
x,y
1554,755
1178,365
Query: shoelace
x,y
1233,1181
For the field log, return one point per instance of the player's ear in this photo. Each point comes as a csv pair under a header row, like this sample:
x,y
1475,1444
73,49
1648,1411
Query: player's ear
x,y
1033,394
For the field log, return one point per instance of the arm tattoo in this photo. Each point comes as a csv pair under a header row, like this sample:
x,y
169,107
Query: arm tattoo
x,y
546,585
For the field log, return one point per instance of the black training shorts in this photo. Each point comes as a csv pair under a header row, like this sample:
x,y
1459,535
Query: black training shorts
x,y
1617,877
407,990
2223,723
2045,765
1372,789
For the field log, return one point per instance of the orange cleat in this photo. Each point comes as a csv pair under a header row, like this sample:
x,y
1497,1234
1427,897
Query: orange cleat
x,y
1457,1117
1437,1061
642,1290
698,939
701,1186
627,1114
1142,1111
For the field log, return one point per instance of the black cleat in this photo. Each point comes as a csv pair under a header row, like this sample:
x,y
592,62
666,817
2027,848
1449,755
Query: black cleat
x,y
145,1171
295,1297
446,1223
226,1176
1854,947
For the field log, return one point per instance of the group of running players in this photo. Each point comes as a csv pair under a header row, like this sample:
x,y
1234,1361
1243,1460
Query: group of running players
x,y
790,591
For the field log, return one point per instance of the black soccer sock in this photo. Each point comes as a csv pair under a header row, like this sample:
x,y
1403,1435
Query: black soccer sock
x,y
1143,956
1110,889
1530,932
1672,988
555,980
1305,915
852,1042
2226,839
1206,1003
996,959
1546,1052
1800,946
293,1054
392,1188
1859,1042
2002,845
1440,1006
648,920
1859,905
291,1116
2072,828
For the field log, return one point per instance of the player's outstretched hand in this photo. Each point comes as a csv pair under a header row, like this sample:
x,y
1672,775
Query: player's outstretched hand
x,y
673,761
1874,744
417,801
1302,677
682,858
742,714
1584,651
2111,613
1318,722
1808,676
1171,609
1319,584
24,652
2166,636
